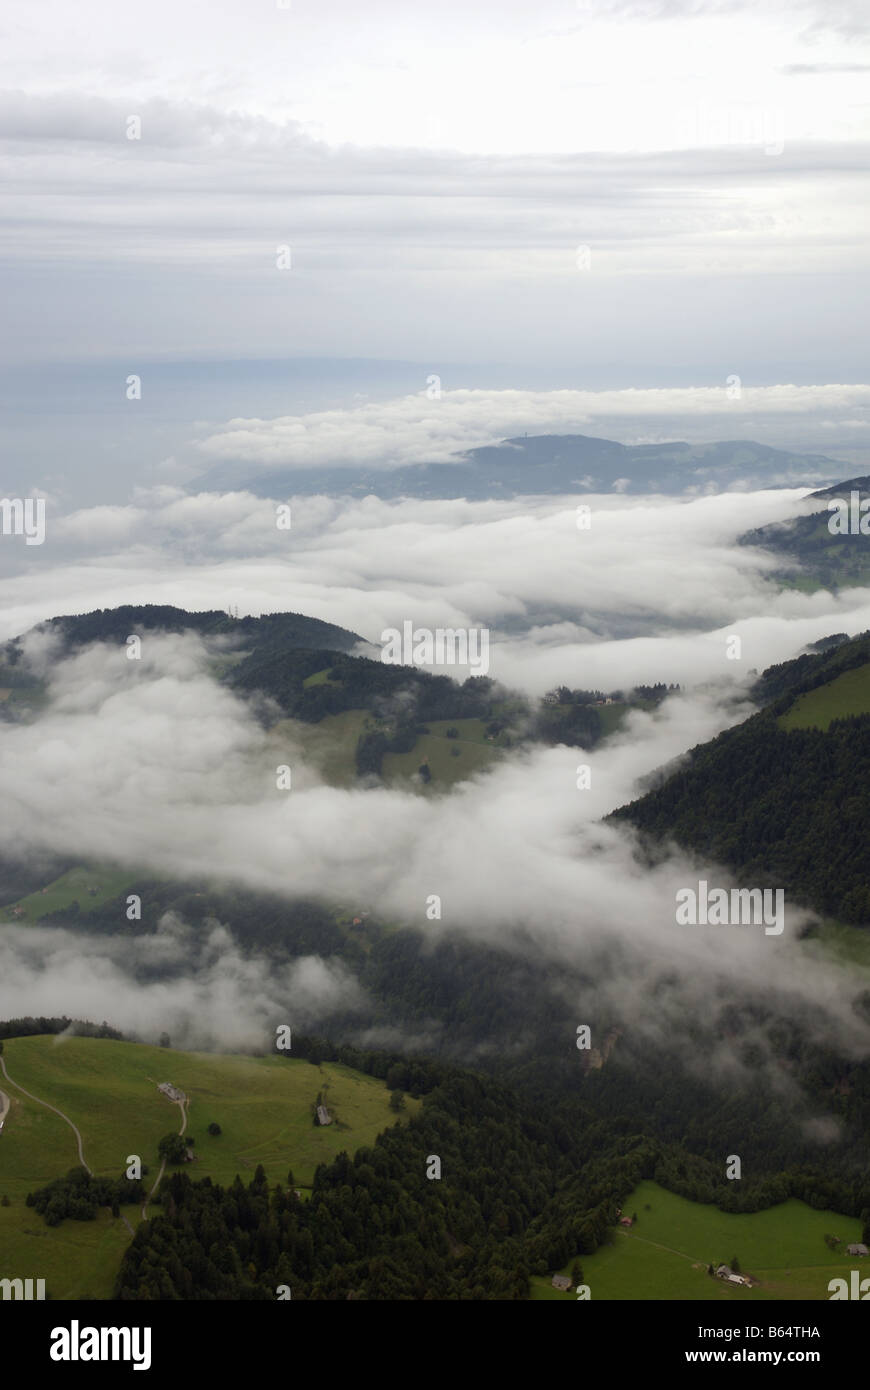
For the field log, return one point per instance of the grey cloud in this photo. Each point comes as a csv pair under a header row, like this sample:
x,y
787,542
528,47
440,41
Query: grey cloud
x,y
169,772
848,19
79,117
822,69
414,429
649,592
231,176
201,989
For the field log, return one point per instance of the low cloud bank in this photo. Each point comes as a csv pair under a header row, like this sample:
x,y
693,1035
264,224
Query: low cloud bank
x,y
153,764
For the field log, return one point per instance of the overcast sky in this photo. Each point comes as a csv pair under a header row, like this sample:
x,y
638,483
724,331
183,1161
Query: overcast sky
x,y
434,169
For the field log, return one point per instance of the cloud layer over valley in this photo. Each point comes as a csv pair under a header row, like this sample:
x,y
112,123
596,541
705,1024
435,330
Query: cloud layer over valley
x,y
152,764
650,591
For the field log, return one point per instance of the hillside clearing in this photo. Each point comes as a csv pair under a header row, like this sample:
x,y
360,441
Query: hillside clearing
x,y
89,886
848,694
108,1089
665,1256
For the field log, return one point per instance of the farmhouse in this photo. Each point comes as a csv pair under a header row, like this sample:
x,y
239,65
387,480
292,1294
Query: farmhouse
x,y
857,1250
625,1221
561,1281
170,1091
323,1115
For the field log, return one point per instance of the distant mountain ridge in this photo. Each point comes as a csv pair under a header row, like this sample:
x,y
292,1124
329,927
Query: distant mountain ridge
x,y
278,630
549,464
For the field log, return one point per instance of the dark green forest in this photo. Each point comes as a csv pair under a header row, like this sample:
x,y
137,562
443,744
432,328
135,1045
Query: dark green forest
x,y
521,1191
271,632
785,808
772,804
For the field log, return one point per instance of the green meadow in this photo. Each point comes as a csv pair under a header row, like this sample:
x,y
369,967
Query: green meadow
x,y
612,717
73,886
320,678
450,760
847,694
78,1259
802,583
849,944
109,1090
330,744
666,1254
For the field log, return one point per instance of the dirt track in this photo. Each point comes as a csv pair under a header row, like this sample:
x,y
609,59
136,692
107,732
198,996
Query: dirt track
x,y
4,1107
183,1103
30,1096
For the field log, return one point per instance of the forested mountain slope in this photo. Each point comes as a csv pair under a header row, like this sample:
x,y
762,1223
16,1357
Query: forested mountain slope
x,y
784,802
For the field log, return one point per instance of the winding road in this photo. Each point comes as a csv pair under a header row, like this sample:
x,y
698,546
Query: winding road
x,y
183,1104
4,1110
30,1096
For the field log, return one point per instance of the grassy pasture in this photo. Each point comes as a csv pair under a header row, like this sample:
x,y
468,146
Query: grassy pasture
x,y
73,886
319,678
330,745
848,694
475,754
849,944
109,1090
665,1255
78,1259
